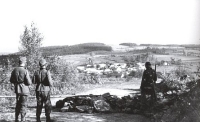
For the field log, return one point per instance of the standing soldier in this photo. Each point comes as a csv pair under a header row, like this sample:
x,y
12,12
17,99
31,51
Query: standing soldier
x,y
148,80
21,80
42,79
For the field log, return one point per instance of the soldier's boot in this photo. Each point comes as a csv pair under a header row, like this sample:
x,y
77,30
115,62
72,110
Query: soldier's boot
x,y
16,117
38,119
23,117
38,113
48,118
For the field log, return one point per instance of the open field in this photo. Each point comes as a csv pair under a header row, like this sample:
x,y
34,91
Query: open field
x,y
119,52
189,62
107,57
183,58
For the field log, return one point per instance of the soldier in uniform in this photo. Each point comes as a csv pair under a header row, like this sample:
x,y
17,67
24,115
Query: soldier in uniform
x,y
42,79
21,80
148,80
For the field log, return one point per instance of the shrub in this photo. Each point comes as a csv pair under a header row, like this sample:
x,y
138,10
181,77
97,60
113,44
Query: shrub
x,y
130,60
185,107
66,77
136,74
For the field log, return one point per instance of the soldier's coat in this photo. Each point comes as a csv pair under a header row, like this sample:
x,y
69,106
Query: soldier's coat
x,y
21,79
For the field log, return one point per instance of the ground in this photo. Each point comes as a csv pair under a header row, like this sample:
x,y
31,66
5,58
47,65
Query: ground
x,y
115,88
82,117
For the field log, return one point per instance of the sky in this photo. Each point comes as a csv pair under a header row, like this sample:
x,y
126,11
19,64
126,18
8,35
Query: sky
x,y
68,22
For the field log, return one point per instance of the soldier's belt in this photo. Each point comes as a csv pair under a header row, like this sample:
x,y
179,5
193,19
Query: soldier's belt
x,y
148,88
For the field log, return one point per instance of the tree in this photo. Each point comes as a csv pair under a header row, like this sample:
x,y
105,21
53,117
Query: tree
x,y
184,52
30,42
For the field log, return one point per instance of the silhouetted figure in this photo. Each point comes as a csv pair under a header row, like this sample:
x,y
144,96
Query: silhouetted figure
x,y
21,80
148,83
42,79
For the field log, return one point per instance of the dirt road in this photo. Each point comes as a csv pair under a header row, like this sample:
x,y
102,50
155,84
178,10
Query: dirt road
x,y
80,117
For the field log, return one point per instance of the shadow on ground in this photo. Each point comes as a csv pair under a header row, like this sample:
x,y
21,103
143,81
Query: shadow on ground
x,y
79,117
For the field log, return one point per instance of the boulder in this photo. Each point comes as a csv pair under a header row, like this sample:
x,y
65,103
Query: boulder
x,y
85,109
60,104
65,109
102,106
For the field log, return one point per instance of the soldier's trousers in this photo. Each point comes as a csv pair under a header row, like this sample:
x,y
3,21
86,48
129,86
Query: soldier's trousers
x,y
151,92
43,97
21,105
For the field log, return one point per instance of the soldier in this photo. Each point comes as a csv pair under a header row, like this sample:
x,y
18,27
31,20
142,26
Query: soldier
x,y
42,79
148,80
21,80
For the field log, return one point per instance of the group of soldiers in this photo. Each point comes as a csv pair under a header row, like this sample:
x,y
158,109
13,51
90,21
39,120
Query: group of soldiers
x,y
21,80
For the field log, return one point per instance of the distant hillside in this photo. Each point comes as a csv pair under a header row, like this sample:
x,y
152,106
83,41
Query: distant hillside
x,y
172,45
197,46
75,49
58,50
128,44
191,46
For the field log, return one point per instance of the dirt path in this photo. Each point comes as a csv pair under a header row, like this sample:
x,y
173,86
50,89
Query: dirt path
x,y
119,89
81,117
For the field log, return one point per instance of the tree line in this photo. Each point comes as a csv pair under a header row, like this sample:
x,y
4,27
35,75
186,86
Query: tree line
x,y
75,49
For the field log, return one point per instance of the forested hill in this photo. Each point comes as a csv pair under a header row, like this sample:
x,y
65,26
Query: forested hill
x,y
128,44
75,49
59,50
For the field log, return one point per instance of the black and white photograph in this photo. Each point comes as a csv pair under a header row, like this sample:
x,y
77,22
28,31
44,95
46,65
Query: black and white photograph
x,y
100,61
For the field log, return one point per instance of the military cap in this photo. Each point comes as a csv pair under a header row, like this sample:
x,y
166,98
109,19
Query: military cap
x,y
22,59
42,62
147,63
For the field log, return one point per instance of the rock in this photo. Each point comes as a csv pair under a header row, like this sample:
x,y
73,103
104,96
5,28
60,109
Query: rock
x,y
102,106
105,95
78,101
84,109
65,109
60,104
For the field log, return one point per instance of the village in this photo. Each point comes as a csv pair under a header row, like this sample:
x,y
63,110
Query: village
x,y
116,69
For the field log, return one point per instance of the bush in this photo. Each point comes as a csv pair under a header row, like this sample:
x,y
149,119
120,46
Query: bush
x,y
185,107
66,77
130,60
136,74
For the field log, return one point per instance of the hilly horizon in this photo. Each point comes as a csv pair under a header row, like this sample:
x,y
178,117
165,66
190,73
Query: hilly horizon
x,y
86,47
